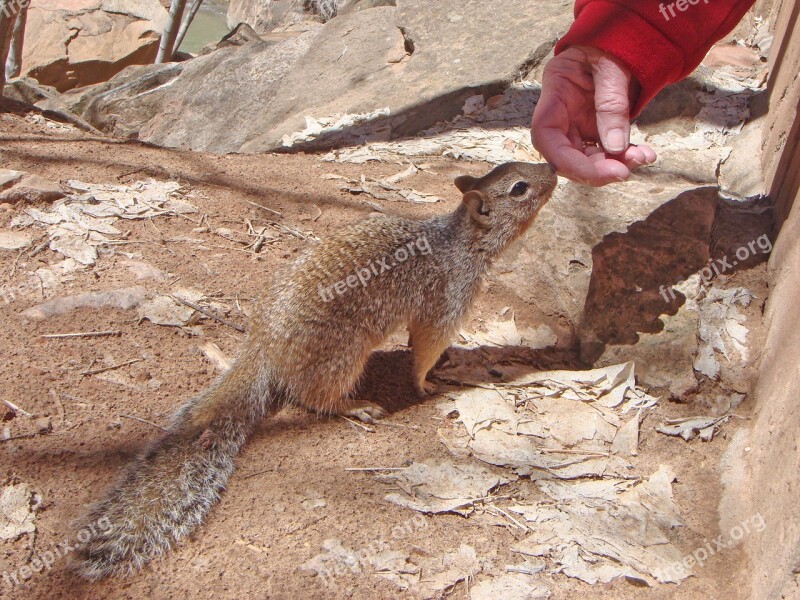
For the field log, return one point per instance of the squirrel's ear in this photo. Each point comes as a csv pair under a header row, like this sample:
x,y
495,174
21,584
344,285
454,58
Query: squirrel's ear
x,y
477,208
465,183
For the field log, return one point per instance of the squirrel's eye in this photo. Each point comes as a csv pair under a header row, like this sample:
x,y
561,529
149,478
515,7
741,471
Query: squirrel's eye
x,y
519,188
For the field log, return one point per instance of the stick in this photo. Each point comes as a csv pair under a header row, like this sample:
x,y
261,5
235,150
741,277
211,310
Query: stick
x,y
19,437
87,334
145,421
104,369
16,408
275,212
357,424
509,517
208,313
370,469
258,473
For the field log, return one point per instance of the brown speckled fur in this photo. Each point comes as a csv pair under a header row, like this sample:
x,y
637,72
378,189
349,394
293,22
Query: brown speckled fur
x,y
308,347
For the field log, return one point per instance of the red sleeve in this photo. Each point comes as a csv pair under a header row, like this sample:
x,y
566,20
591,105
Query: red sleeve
x,y
660,42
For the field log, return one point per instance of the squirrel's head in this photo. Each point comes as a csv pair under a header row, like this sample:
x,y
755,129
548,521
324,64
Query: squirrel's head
x,y
504,202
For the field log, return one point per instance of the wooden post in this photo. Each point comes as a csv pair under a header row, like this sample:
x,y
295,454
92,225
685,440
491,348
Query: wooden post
x,y
185,25
167,43
14,60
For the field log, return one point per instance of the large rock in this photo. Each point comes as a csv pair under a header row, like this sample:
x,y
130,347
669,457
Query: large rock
x,y
73,43
413,65
262,15
265,15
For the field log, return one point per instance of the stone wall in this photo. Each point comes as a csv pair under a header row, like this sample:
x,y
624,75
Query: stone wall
x,y
774,459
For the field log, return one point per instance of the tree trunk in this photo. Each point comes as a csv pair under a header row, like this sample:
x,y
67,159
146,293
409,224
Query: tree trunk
x,y
14,61
7,19
185,25
167,42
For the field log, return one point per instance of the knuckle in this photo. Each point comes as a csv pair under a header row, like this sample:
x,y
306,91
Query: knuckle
x,y
611,103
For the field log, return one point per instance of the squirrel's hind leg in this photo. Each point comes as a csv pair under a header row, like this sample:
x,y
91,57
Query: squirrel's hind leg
x,y
335,380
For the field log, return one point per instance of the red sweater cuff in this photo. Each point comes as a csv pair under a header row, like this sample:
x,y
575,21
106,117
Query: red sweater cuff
x,y
653,60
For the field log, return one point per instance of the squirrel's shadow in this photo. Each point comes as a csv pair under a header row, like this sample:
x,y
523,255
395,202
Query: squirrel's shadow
x,y
387,375
387,381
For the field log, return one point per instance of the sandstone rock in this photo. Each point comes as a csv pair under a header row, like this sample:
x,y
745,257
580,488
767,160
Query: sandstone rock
x,y
45,98
357,5
421,60
9,177
79,42
32,188
28,91
737,176
265,15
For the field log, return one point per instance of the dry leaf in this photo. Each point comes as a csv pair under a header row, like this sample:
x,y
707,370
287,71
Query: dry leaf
x,y
442,487
18,506
14,240
508,587
441,573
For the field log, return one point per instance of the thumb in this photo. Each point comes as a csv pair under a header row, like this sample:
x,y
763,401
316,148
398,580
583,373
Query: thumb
x,y
611,82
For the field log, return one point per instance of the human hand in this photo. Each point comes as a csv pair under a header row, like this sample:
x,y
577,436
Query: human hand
x,y
581,124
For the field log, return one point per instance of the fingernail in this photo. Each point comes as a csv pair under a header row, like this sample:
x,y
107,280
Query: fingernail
x,y
615,141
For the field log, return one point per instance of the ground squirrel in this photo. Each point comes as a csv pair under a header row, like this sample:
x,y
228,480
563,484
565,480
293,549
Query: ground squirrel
x,y
307,345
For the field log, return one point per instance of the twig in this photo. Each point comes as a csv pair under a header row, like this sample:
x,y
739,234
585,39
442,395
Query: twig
x,y
19,437
41,244
509,517
16,408
14,266
145,421
205,246
86,334
208,313
370,469
104,369
258,473
357,424
570,451
274,212
292,231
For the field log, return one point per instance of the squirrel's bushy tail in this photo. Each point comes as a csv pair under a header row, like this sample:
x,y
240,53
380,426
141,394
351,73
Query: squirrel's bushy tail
x,y
173,484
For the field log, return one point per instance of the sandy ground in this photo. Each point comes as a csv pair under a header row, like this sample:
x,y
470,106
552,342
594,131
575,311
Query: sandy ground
x,y
257,537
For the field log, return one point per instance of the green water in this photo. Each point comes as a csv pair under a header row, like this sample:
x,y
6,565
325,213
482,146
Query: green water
x,y
209,25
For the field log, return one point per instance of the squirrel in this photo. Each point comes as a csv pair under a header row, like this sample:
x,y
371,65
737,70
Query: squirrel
x,y
307,344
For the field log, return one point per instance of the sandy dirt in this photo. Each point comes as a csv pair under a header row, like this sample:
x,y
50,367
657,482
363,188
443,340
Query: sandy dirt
x,y
262,531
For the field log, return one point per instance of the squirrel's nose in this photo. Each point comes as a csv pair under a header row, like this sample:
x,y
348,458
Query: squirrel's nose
x,y
552,168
